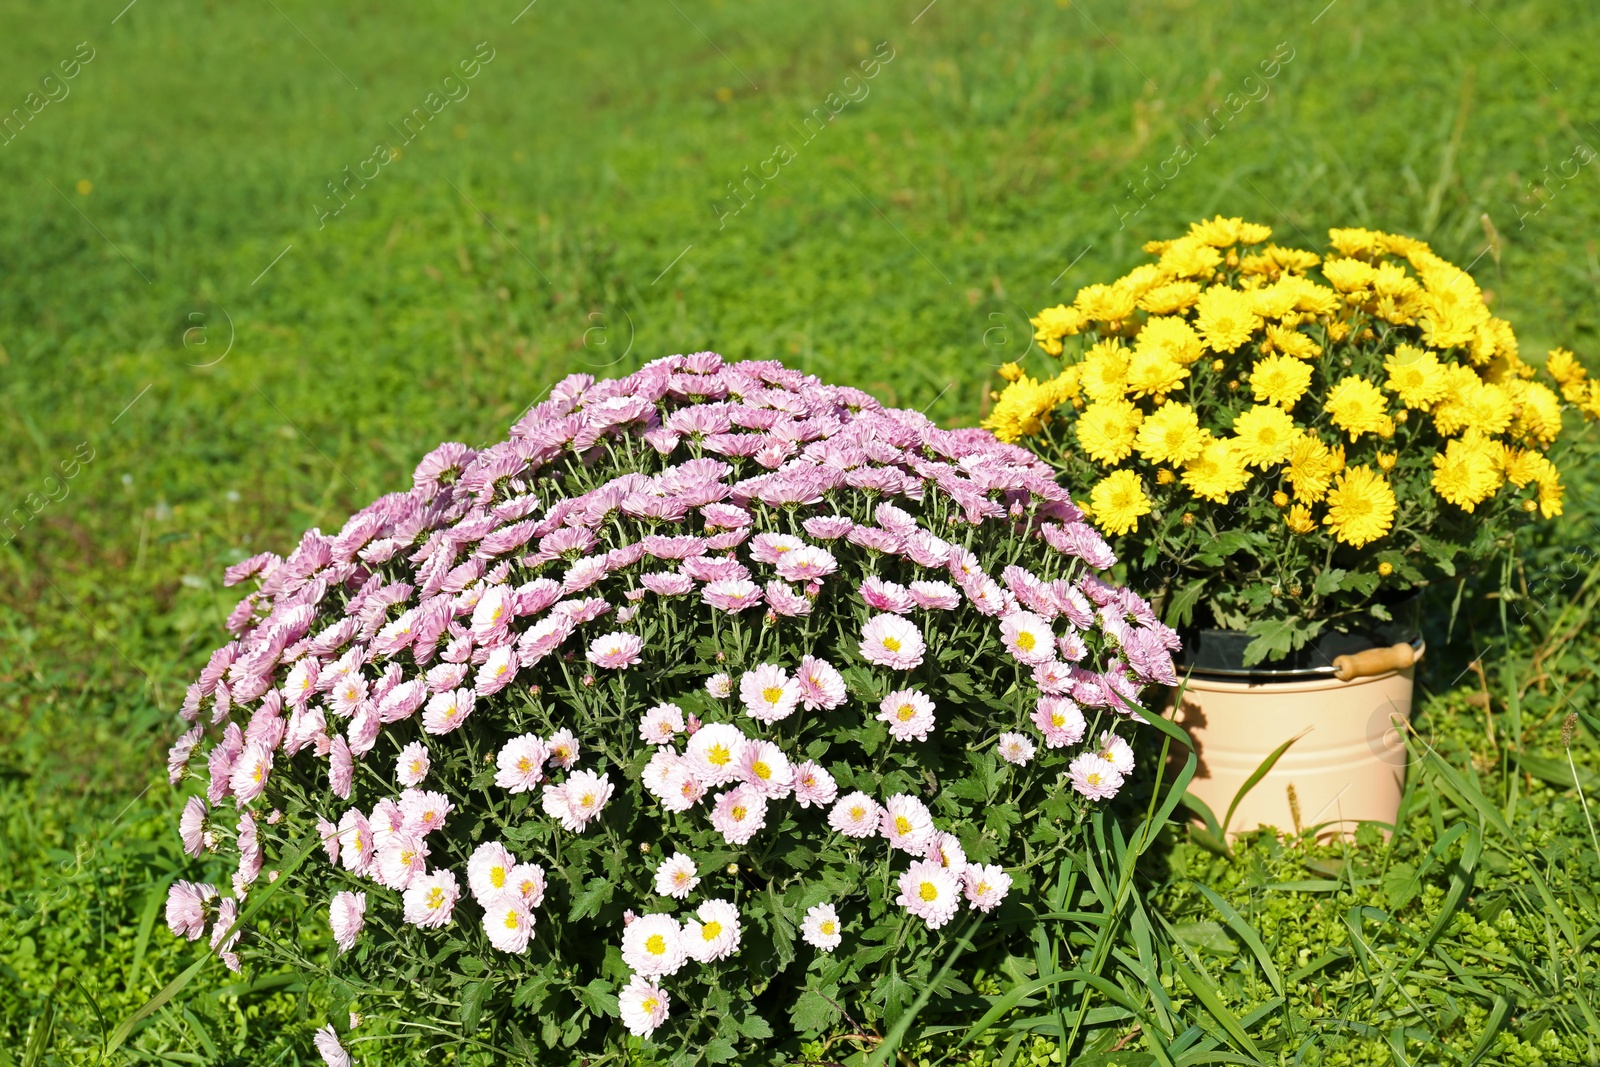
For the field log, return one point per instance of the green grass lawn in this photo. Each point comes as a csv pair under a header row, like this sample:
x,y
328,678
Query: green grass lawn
x,y
214,335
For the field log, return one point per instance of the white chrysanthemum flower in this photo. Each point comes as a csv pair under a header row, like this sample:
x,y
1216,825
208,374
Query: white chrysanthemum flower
x,y
347,915
738,814
423,811
907,823
508,924
929,892
402,859
766,769
563,749
653,945
578,800
250,772
333,1053
821,686
657,772
1117,752
986,885
682,790
908,713
527,880
430,899
1028,638
661,724
448,710
813,785
769,694
1016,748
520,765
945,849
715,753
856,815
713,934
821,928
719,685
412,766
677,877
489,872
643,1005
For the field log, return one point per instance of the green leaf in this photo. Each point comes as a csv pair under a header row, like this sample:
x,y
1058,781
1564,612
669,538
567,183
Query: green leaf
x,y
472,1004
1400,885
1180,608
1556,772
1275,638
1362,583
1327,582
597,997
596,894
720,1050
1208,935
531,994
755,1027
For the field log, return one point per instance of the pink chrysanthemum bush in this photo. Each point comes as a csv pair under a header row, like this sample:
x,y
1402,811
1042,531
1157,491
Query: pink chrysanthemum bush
x,y
713,702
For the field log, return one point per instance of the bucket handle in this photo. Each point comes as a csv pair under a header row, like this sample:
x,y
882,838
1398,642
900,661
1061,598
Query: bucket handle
x,y
1374,661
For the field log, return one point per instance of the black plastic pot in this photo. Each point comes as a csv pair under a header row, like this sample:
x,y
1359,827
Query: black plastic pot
x,y
1220,653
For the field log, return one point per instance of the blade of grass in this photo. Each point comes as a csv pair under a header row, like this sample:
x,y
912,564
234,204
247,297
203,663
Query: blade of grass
x,y
147,921
1206,993
1247,934
891,1041
1470,794
1255,778
1491,1027
174,987
43,1029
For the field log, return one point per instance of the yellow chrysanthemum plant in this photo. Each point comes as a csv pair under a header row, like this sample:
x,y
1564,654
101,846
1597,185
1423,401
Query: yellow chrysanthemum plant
x,y
1279,441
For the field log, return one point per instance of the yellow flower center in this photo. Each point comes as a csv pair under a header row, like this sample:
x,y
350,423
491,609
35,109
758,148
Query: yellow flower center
x,y
772,694
525,765
858,813
761,770
1093,778
513,921
739,812
586,800
711,930
828,927
928,891
435,898
892,644
1057,719
902,825
655,944
1026,641
906,713
497,876
649,1004
718,756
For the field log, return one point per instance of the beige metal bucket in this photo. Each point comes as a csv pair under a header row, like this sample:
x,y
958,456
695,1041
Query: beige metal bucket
x,y
1348,765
